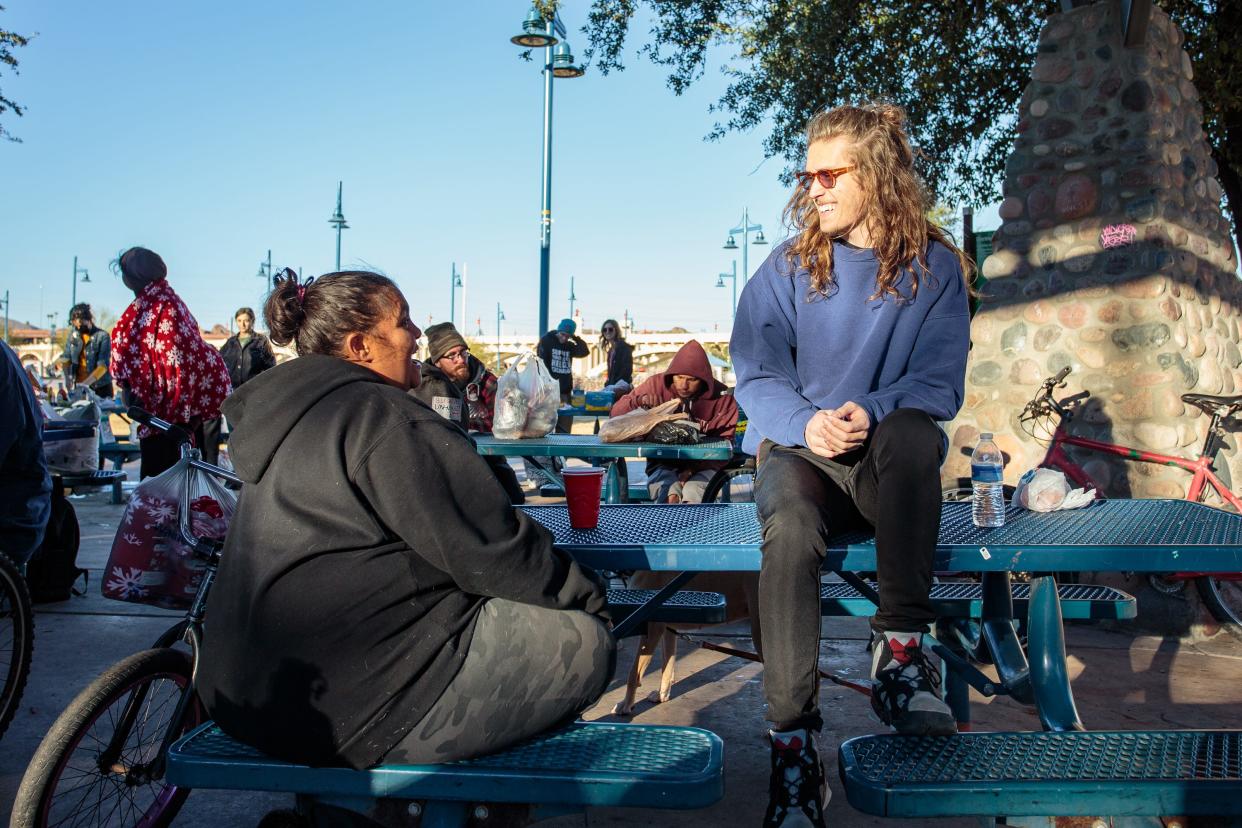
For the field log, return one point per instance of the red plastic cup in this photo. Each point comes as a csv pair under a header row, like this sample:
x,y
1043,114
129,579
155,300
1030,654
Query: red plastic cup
x,y
583,485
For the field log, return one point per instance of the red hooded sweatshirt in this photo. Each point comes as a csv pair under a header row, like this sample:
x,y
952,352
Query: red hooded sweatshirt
x,y
714,410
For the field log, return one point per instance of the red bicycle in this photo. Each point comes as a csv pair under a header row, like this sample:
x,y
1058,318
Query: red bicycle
x,y
1047,420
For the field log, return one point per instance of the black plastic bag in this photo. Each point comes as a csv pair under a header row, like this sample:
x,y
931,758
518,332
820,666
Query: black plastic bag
x,y
675,432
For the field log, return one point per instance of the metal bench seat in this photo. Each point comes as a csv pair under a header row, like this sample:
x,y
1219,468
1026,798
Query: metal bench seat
x,y
119,453
965,600
684,607
1075,773
580,765
90,480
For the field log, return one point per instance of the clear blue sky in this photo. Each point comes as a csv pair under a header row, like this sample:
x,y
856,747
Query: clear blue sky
x,y
212,132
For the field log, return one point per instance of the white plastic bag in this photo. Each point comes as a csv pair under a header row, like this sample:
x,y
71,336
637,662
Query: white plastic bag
x,y
527,399
1047,490
149,563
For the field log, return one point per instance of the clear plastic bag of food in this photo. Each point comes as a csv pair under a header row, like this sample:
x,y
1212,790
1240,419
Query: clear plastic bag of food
x,y
1047,490
527,399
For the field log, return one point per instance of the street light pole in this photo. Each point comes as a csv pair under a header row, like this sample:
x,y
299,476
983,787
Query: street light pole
x,y
6,316
500,315
540,31
745,228
338,221
720,283
86,278
454,284
572,297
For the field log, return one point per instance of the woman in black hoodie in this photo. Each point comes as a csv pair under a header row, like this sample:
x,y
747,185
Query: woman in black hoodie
x,y
378,600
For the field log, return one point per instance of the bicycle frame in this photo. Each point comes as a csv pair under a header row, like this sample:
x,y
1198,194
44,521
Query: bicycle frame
x,y
189,630
1200,467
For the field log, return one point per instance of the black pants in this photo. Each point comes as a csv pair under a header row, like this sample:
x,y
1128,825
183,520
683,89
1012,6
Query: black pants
x,y
161,451
891,483
529,669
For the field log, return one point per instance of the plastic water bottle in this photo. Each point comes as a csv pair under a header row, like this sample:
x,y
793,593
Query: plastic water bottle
x,y
986,472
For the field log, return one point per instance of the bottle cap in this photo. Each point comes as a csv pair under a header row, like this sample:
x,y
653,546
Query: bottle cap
x,y
987,435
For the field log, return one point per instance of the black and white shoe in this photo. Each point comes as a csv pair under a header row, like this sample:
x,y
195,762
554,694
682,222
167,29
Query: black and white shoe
x,y
797,791
905,686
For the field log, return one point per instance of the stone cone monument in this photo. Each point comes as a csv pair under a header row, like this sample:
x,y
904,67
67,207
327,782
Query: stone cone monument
x,y
1113,258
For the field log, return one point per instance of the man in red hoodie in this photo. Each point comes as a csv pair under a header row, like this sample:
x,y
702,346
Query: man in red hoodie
x,y
689,379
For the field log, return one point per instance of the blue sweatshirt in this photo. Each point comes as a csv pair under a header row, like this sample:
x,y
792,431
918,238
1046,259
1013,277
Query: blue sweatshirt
x,y
794,357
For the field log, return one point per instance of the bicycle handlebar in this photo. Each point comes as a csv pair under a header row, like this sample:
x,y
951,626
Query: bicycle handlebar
x,y
148,419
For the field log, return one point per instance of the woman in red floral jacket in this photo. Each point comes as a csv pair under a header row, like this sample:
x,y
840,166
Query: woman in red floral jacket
x,y
162,363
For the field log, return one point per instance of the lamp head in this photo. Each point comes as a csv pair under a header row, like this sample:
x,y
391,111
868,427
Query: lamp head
x,y
759,239
563,62
534,34
720,281
730,244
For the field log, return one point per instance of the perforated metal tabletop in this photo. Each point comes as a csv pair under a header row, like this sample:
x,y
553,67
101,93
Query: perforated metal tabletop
x,y
589,445
1109,535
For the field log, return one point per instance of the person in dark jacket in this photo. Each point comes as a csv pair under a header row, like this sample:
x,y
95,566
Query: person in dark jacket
x,y
88,352
441,389
689,379
25,487
448,351
619,353
378,600
246,353
558,349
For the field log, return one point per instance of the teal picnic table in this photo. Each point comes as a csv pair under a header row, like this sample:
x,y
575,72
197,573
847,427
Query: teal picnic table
x,y
543,452
1071,771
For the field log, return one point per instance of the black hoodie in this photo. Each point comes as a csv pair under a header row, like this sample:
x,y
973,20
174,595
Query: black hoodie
x,y
367,537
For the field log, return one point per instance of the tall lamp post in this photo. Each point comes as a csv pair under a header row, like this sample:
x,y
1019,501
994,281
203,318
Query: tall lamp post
x,y
86,280
720,283
745,229
541,32
338,221
6,316
572,298
500,316
454,284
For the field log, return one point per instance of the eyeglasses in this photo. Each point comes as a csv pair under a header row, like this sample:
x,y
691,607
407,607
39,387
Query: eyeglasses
x,y
458,356
826,178
609,329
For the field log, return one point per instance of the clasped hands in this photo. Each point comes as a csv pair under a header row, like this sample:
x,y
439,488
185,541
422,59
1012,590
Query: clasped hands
x,y
831,433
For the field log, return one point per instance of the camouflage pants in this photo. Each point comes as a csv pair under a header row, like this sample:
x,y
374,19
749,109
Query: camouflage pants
x,y
529,669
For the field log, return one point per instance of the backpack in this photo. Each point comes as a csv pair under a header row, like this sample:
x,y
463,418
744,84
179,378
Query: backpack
x,y
53,570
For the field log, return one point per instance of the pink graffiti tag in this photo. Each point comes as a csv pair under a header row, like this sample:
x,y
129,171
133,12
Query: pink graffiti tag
x,y
1117,235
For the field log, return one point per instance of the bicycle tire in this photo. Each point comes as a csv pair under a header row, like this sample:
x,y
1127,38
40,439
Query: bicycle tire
x,y
67,760
723,479
1223,600
16,639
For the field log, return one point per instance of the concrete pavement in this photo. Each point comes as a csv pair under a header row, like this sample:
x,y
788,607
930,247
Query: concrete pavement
x,y
1121,680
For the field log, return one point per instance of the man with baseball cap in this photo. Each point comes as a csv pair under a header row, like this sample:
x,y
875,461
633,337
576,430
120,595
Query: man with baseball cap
x,y
558,349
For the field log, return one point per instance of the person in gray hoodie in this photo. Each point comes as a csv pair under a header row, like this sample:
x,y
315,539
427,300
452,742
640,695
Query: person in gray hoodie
x,y
378,600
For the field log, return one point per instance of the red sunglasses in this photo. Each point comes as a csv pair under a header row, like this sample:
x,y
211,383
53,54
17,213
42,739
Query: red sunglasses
x,y
826,178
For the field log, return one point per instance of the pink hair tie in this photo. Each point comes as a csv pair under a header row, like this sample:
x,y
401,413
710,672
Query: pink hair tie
x,y
301,293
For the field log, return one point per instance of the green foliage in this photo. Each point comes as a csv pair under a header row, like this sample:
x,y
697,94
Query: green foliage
x,y
9,41
958,68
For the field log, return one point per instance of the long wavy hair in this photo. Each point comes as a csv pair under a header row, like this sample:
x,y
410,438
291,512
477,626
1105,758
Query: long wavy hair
x,y
895,202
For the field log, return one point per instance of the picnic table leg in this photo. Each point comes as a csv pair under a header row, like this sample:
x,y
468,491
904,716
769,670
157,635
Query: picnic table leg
x,y
617,484
956,688
1002,639
1049,672
548,474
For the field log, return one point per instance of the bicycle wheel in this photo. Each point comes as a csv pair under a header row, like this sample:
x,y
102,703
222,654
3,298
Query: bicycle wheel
x,y
16,639
1223,598
732,484
72,780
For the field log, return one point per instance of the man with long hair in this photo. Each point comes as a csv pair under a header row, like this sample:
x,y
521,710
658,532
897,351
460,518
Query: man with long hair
x,y
850,344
